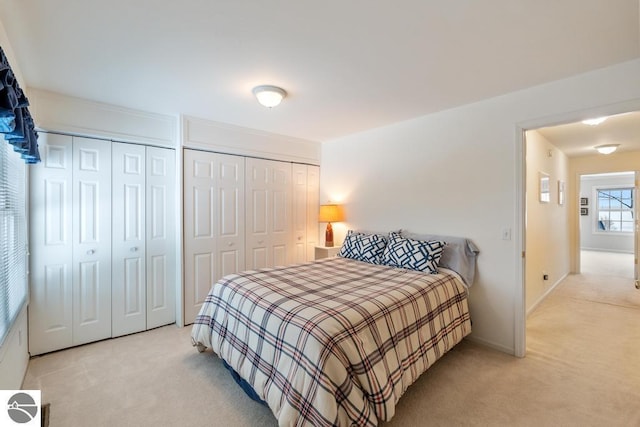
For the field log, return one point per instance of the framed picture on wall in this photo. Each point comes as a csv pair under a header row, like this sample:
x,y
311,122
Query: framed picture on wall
x,y
584,211
584,201
560,193
545,191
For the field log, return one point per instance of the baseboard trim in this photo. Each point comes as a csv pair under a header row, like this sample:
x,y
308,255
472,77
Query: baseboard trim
x,y
615,251
545,295
490,344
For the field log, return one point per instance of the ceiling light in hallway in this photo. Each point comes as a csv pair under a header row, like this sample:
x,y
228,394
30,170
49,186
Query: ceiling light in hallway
x,y
594,122
607,148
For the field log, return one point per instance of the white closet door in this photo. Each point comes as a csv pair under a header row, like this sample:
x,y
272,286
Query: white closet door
x,y
313,207
92,240
213,223
299,212
268,204
199,235
51,246
230,255
161,237
128,239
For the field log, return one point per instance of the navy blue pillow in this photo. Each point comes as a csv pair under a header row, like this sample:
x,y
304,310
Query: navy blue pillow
x,y
363,247
412,254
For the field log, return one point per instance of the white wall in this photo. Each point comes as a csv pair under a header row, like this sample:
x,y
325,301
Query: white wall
x,y
60,113
14,356
619,161
208,135
459,172
547,225
590,237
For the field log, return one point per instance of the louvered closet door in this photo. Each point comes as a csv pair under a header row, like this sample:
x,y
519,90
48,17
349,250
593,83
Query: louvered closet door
x,y
268,204
128,239
213,223
92,240
161,237
51,245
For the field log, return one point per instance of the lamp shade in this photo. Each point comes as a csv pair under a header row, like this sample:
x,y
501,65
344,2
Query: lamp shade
x,y
331,213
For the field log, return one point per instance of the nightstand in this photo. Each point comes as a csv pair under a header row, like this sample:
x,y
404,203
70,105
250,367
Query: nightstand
x,y
325,252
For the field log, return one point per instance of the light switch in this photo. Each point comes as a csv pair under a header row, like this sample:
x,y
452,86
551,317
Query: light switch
x,y
506,233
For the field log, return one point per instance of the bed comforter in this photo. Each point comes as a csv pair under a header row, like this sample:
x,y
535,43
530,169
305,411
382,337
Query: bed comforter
x,y
335,341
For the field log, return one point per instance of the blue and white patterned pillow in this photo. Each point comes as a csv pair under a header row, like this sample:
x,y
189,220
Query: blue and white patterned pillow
x,y
363,247
412,254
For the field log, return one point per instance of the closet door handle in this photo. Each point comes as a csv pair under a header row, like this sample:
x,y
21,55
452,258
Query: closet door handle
x,y
91,252
230,244
134,249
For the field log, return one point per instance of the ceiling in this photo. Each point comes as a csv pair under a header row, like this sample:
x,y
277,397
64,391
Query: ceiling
x,y
579,139
347,66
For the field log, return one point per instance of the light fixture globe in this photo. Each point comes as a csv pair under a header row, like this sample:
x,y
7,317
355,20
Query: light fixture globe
x,y
607,148
594,122
269,96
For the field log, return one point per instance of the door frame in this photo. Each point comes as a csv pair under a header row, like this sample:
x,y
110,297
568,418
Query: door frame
x,y
636,232
520,313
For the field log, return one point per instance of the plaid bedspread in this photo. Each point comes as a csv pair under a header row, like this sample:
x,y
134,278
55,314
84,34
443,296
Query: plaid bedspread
x,y
335,341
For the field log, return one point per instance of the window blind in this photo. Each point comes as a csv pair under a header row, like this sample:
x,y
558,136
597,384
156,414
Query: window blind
x,y
13,238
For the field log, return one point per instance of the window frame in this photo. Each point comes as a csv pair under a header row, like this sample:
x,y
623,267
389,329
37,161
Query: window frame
x,y
596,208
14,288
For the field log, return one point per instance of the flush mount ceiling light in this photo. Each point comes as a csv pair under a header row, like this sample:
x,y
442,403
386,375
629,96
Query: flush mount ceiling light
x,y
269,96
594,122
607,148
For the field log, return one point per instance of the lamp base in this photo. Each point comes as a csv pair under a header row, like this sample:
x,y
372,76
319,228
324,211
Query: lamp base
x,y
328,236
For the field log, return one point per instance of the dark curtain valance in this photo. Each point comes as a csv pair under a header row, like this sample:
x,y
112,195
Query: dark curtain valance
x,y
16,122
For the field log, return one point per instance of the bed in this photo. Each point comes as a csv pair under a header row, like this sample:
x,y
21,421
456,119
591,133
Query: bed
x,y
336,341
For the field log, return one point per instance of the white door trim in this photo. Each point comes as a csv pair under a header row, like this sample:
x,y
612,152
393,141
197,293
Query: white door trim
x,y
520,208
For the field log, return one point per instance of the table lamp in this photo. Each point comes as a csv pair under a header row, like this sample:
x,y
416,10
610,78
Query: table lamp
x,y
329,214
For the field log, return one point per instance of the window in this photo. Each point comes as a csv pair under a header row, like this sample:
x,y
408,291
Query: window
x,y
13,237
615,210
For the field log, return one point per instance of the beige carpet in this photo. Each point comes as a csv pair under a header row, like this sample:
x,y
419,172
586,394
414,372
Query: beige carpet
x,y
607,263
582,369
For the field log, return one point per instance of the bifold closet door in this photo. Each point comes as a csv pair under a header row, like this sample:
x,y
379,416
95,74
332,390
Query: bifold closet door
x,y
51,246
143,238
268,221
299,212
306,195
213,223
313,208
161,248
92,240
128,239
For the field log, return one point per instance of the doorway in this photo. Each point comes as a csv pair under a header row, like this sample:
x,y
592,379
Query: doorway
x,y
607,243
553,250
